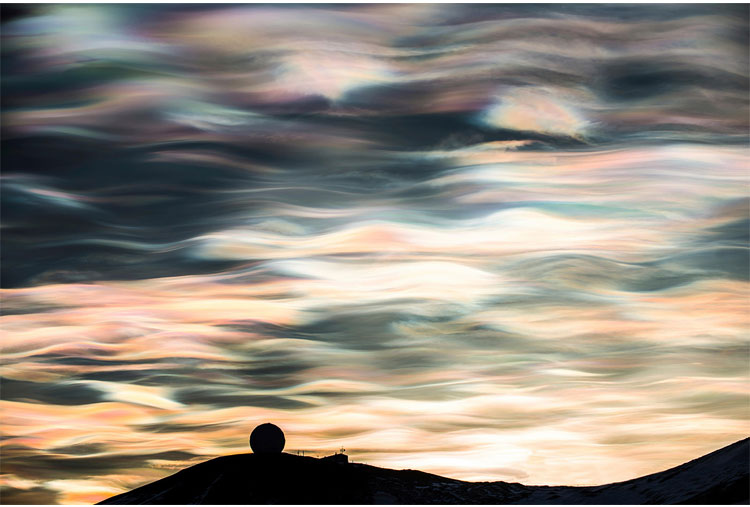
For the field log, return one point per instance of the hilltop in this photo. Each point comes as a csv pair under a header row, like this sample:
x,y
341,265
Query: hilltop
x,y
721,477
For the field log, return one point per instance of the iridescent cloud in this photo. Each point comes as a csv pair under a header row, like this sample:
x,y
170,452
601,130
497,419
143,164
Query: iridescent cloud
x,y
493,242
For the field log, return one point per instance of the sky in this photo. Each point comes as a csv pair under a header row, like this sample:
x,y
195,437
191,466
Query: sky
x,y
491,242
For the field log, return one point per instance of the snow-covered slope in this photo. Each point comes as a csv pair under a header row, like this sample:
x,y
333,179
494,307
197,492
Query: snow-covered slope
x,y
716,478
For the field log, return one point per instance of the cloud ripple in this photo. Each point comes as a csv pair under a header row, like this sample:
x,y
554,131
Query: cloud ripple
x,y
498,242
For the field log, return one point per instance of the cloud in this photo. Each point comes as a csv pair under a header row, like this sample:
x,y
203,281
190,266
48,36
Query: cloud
x,y
485,237
537,110
180,428
57,394
26,462
218,396
330,73
37,495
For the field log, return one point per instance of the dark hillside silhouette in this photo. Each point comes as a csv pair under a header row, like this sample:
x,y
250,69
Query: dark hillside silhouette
x,y
720,477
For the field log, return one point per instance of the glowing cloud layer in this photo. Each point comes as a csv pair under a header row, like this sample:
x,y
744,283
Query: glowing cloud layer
x,y
498,242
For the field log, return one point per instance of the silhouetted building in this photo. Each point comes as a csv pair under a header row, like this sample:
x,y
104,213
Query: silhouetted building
x,y
337,458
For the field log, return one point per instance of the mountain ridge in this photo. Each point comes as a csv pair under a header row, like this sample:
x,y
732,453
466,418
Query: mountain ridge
x,y
719,477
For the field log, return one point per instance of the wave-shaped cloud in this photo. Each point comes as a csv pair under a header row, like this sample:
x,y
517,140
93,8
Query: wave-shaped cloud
x,y
497,242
